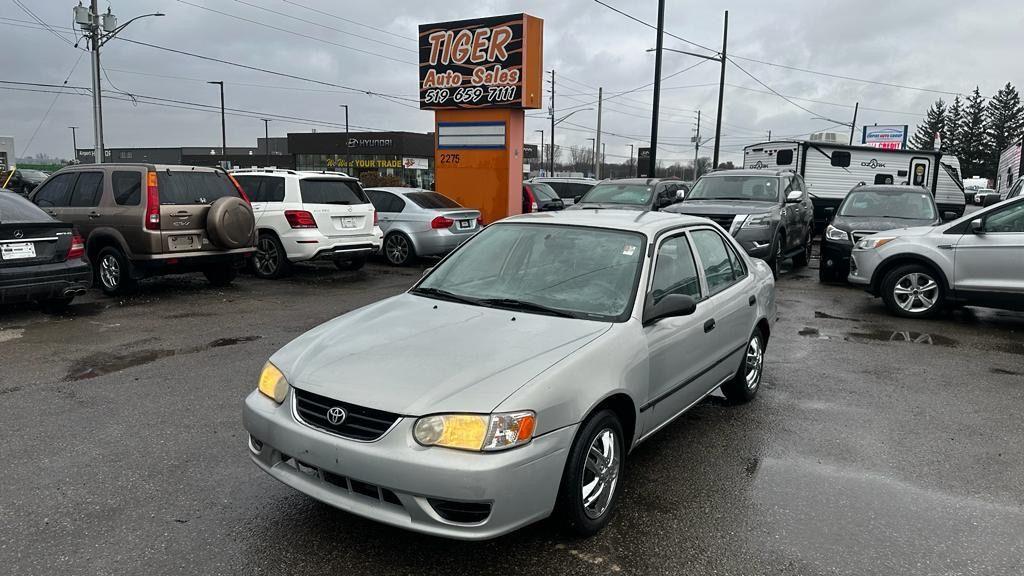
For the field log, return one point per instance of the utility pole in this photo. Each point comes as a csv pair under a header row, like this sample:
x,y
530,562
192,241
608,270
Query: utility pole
x,y
348,149
657,87
541,154
853,125
696,149
769,135
597,144
593,150
629,166
552,152
74,143
266,142
99,29
600,162
223,124
721,91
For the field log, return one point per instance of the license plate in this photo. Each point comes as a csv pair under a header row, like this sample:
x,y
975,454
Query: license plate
x,y
17,251
348,222
465,223
183,242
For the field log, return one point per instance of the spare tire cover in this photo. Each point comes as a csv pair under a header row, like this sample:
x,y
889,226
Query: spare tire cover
x,y
230,223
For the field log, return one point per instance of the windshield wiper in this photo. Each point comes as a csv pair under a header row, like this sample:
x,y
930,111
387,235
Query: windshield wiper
x,y
445,295
515,304
904,217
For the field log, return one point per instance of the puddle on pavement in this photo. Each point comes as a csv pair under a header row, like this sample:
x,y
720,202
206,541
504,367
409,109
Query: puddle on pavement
x,y
885,336
1005,372
107,363
808,332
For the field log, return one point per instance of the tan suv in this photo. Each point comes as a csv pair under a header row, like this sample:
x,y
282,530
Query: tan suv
x,y
142,220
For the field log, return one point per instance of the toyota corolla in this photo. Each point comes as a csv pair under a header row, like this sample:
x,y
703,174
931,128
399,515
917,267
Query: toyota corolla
x,y
511,382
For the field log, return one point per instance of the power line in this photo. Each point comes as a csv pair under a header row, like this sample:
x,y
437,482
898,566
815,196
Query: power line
x,y
52,103
335,16
43,24
773,91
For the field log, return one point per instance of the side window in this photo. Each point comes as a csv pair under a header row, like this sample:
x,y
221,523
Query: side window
x,y
841,159
715,259
798,183
127,188
675,271
387,202
1006,220
56,192
251,185
88,190
272,189
784,157
883,179
739,269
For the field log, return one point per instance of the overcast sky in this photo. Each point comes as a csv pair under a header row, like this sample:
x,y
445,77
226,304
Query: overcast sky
x,y
945,45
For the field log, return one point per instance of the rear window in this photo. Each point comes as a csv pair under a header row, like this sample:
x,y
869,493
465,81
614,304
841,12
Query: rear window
x,y
569,190
194,187
432,200
331,191
543,192
14,208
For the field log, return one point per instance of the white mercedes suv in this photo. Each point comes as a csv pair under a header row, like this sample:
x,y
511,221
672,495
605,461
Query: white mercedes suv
x,y
303,216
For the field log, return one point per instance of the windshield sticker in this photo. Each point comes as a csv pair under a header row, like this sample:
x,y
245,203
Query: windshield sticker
x,y
629,250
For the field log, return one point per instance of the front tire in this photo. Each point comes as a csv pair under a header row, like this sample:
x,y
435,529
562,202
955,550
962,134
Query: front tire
x,y
113,273
913,291
744,385
398,249
587,495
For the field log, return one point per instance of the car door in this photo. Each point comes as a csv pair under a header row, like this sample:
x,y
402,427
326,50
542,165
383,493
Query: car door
x,y
83,209
789,215
53,196
730,290
252,185
803,217
678,348
991,263
389,209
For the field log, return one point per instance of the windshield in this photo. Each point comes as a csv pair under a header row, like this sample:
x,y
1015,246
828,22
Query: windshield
x,y
586,272
432,200
331,191
32,175
611,193
904,204
757,188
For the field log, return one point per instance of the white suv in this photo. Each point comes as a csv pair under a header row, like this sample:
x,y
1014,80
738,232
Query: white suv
x,y
302,216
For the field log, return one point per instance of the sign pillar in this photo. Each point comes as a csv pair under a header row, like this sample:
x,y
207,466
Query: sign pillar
x,y
479,76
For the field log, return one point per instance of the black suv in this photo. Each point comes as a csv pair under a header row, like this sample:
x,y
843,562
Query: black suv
x,y
633,194
767,211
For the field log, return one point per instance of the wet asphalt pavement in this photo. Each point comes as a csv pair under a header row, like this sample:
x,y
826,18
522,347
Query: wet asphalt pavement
x,y
877,446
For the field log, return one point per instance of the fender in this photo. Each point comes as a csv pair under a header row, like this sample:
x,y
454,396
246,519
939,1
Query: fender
x,y
885,265
104,234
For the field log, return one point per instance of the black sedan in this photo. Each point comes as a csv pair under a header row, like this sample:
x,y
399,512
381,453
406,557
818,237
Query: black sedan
x,y
41,259
539,197
867,210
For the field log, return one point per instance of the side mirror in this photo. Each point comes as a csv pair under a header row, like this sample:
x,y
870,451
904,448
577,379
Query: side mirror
x,y
948,215
794,197
670,306
977,226
576,199
830,213
680,195
427,271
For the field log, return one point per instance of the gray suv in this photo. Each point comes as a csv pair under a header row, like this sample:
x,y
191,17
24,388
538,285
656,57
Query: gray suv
x,y
768,212
142,220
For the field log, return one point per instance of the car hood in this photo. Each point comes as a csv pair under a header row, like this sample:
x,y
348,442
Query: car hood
x,y
607,205
698,207
877,224
413,355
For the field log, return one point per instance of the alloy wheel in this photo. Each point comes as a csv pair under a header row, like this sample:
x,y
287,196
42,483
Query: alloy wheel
x,y
397,249
754,362
600,474
110,272
267,255
916,292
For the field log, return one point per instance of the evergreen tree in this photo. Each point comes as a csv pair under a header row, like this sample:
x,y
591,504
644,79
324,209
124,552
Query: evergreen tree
x,y
1005,123
952,132
934,123
974,146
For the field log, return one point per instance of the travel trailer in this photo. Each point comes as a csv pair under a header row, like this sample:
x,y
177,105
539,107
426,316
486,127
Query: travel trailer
x,y
831,170
1010,168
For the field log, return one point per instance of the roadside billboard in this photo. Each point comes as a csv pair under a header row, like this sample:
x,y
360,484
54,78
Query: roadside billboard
x,y
888,137
492,62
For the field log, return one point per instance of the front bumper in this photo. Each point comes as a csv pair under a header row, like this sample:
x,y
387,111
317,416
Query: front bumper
x,y
757,242
521,484
835,257
44,281
862,269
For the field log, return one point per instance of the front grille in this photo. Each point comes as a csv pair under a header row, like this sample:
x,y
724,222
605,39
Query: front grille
x,y
360,423
724,221
352,485
461,512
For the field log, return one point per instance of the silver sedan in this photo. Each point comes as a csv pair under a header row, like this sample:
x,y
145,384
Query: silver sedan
x,y
420,222
513,380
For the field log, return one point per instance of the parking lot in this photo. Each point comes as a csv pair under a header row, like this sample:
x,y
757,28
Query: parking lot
x,y
878,446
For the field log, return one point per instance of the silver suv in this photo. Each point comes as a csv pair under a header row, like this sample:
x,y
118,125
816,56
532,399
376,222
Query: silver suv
x,y
977,260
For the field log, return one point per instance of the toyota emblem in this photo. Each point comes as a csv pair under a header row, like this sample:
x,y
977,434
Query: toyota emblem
x,y
19,234
336,415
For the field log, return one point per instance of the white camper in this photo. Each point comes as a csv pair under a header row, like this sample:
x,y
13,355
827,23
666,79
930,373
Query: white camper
x,y
831,170
1010,168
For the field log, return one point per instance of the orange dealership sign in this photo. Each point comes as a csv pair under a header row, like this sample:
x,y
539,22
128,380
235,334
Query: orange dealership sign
x,y
490,62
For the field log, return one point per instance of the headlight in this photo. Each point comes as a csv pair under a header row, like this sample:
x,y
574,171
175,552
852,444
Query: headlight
x,y
833,233
871,243
273,384
758,220
478,432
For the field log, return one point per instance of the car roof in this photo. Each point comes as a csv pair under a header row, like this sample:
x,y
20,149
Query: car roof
x,y
401,190
891,188
289,172
747,172
563,179
647,181
645,222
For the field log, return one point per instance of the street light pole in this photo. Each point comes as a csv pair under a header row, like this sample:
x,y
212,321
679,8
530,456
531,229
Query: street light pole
x,y
223,124
593,151
348,149
657,88
629,166
541,153
266,142
597,165
721,92
74,143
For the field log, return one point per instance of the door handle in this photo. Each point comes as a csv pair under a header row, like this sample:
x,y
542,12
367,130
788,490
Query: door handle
x,y
94,214
752,300
709,325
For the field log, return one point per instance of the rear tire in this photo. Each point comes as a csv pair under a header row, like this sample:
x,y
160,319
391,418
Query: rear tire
x,y
350,265
222,275
913,291
744,385
270,261
804,258
398,249
113,272
589,488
